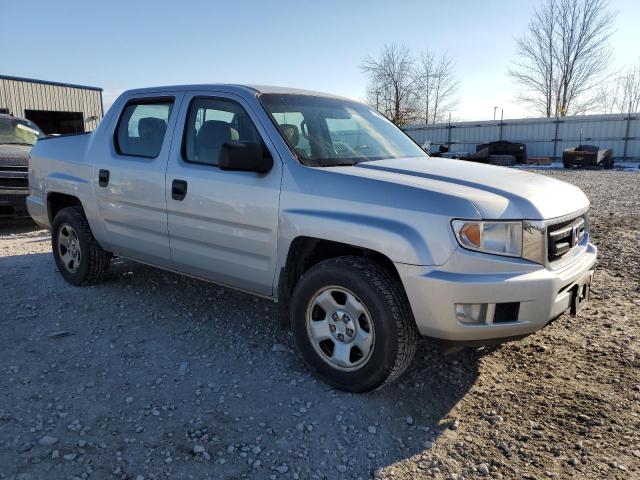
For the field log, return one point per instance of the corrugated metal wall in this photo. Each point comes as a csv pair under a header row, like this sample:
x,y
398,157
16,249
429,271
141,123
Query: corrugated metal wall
x,y
544,137
18,95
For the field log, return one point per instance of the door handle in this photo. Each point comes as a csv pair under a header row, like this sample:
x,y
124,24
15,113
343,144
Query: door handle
x,y
178,189
103,178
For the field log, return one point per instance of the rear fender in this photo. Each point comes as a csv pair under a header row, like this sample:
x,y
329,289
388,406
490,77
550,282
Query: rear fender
x,y
78,185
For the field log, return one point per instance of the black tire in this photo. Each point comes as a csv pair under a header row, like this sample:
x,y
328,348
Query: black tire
x,y
395,339
566,165
502,160
93,261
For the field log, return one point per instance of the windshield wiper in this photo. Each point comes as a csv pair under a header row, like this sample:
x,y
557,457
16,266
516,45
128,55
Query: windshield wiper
x,y
342,163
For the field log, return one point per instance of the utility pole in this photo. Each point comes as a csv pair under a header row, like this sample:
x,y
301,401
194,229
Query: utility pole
x,y
494,112
626,135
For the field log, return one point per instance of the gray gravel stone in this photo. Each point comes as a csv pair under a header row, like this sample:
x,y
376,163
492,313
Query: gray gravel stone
x,y
47,441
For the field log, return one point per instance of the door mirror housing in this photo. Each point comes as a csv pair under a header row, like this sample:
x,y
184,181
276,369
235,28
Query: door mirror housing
x,y
244,157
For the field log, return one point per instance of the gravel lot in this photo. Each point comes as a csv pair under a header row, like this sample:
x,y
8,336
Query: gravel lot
x,y
153,375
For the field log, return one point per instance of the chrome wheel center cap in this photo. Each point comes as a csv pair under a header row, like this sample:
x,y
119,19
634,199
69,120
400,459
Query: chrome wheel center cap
x,y
342,326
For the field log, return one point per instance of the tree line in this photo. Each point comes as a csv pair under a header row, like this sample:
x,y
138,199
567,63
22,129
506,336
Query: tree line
x,y
408,89
562,68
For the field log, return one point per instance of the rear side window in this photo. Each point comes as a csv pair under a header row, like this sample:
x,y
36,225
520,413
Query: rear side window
x,y
142,127
213,122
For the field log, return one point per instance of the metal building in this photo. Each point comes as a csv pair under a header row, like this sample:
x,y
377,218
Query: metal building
x,y
544,137
57,108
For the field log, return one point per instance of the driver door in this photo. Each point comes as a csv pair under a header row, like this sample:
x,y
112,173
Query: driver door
x,y
223,225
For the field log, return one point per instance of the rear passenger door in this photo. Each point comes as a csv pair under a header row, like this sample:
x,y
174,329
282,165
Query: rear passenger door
x,y
222,224
130,183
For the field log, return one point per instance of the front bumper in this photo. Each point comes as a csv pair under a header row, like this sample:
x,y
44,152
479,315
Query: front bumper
x,y
13,204
542,294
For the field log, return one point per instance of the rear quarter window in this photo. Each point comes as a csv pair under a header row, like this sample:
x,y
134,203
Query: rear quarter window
x,y
142,127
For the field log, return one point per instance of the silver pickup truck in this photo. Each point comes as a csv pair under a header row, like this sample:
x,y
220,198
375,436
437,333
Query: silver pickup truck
x,y
323,205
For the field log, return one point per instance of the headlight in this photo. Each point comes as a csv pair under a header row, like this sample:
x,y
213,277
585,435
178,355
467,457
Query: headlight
x,y
500,238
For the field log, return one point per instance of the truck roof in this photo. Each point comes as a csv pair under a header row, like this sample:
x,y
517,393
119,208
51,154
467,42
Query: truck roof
x,y
233,87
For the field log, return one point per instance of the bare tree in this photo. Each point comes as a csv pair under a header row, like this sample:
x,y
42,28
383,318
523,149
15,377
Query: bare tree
x,y
392,83
609,96
437,86
535,70
622,94
630,96
564,56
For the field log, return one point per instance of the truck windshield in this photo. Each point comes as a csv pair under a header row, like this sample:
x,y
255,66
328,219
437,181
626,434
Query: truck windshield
x,y
15,131
325,132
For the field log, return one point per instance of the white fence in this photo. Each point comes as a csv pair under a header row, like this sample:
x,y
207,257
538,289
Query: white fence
x,y
544,137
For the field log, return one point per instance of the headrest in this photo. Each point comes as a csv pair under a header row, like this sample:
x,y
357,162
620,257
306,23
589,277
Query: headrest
x,y
292,133
213,133
151,127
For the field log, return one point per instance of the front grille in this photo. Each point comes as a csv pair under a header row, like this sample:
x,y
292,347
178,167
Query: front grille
x,y
14,177
563,237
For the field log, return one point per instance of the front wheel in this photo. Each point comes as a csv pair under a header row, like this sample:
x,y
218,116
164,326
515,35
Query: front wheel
x,y
79,257
353,324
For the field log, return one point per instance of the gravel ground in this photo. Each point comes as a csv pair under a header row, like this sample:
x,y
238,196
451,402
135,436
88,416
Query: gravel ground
x,y
153,375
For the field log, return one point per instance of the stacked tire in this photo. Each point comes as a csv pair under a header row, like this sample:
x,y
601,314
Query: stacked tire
x,y
502,160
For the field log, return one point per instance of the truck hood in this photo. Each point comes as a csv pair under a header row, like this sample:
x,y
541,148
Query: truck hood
x,y
496,192
14,155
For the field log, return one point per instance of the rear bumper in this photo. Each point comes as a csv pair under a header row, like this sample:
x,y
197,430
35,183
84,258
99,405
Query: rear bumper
x,y
541,294
13,203
38,209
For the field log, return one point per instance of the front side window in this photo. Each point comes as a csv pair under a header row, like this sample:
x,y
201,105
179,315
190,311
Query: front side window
x,y
213,122
142,128
325,132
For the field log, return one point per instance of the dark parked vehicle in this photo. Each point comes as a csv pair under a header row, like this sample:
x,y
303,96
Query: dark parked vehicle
x,y
17,136
502,147
587,156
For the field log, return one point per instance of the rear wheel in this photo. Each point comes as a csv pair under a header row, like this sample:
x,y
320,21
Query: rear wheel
x,y
353,324
79,257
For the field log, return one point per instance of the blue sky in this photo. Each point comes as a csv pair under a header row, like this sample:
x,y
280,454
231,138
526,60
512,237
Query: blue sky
x,y
317,45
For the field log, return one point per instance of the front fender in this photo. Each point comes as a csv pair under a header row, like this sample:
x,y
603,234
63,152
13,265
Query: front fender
x,y
404,222
398,241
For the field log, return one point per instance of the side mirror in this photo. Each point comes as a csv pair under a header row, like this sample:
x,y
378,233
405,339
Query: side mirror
x,y
244,157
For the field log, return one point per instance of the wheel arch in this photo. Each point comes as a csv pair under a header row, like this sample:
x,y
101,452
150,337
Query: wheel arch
x,y
305,252
56,201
